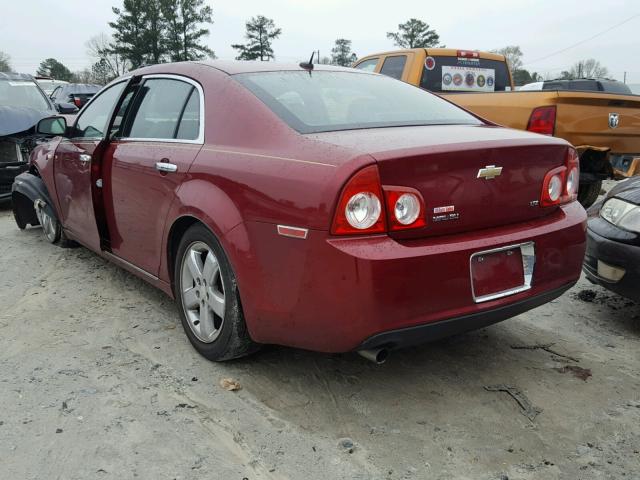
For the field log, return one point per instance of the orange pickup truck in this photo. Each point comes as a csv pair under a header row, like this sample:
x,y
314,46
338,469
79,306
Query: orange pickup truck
x,y
604,127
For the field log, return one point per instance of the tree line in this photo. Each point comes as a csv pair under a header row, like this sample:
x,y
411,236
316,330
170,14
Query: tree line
x,y
148,32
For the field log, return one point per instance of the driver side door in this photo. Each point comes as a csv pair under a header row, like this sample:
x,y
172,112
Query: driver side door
x,y
77,167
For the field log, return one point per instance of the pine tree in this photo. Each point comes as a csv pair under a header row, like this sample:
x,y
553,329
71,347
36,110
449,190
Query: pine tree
x,y
341,54
5,62
130,32
414,34
54,69
183,36
261,31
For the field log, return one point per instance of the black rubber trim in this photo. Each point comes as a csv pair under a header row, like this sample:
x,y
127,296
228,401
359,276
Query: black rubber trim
x,y
429,332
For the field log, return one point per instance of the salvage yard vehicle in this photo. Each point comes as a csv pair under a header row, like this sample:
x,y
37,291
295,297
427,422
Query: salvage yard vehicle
x,y
311,206
77,94
22,105
613,246
580,84
604,127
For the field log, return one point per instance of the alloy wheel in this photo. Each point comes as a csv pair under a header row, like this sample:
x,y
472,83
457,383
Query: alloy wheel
x,y
202,291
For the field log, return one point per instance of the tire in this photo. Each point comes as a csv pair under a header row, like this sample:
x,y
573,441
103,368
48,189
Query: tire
x,y
51,227
588,193
208,299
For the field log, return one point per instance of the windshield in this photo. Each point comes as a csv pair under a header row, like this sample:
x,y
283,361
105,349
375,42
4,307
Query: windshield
x,y
453,74
22,94
323,101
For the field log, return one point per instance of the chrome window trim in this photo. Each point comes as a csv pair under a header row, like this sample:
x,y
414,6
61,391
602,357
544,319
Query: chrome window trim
x,y
528,251
197,141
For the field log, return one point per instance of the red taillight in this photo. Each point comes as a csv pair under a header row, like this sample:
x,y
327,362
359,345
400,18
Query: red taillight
x,y
468,54
405,208
77,101
560,185
366,207
543,120
360,208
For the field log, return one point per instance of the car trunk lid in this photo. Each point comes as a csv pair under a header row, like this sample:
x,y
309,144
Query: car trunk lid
x,y
471,177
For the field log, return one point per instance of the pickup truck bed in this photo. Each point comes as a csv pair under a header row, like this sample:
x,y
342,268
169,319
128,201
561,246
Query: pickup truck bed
x,y
604,127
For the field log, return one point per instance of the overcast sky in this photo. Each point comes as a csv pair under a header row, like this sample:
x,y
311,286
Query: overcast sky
x,y
32,30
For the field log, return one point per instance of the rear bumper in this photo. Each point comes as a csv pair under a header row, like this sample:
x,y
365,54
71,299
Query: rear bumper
x,y
338,294
430,332
615,255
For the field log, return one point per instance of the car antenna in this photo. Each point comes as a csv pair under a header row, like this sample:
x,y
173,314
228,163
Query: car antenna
x,y
308,65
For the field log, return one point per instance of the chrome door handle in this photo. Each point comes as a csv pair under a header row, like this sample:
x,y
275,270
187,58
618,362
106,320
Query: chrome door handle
x,y
84,157
166,167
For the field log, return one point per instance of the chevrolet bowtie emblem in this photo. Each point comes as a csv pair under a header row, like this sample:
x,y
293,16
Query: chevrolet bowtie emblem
x,y
489,172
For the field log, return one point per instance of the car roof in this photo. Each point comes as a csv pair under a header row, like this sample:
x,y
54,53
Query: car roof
x,y
234,67
25,77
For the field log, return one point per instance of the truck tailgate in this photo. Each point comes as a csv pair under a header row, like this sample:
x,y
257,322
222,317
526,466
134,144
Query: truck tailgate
x,y
600,119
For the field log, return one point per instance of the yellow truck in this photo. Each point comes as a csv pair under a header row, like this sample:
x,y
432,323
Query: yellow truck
x,y
604,127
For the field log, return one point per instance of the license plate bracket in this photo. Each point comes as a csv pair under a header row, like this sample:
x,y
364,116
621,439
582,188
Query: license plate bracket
x,y
501,272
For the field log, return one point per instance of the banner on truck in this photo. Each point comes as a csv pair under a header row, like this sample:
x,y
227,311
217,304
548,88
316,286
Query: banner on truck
x,y
468,79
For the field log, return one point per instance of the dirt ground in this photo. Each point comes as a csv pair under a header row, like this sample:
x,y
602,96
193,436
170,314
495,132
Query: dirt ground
x,y
98,381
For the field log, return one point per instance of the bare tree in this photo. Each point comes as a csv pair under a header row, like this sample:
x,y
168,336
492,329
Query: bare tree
x,y
513,55
100,49
589,68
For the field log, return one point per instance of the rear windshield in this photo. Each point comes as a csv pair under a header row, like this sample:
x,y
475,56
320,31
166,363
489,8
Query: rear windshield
x,y
327,101
20,93
453,74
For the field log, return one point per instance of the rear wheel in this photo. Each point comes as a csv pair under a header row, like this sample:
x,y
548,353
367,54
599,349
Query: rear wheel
x,y
208,298
589,192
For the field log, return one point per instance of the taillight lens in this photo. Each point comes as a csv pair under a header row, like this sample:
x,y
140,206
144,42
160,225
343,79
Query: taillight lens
x,y
366,207
360,207
542,120
405,208
573,175
560,185
77,101
363,210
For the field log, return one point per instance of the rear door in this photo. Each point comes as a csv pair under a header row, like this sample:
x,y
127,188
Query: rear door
x,y
77,167
146,163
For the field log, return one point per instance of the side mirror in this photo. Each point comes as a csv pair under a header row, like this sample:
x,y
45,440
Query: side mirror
x,y
55,126
66,108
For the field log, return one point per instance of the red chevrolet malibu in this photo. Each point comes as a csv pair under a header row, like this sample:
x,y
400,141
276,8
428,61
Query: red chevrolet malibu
x,y
318,207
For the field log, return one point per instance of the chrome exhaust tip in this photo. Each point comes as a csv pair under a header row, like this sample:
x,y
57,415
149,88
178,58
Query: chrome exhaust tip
x,y
375,355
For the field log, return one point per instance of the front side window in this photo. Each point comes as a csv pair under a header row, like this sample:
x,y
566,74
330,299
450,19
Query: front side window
x,y
160,104
93,120
394,66
368,65
327,101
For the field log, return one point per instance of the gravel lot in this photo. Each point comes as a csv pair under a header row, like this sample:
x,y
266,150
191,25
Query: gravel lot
x,y
98,380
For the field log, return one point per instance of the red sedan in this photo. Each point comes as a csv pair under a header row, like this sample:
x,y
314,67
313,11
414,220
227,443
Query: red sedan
x,y
322,208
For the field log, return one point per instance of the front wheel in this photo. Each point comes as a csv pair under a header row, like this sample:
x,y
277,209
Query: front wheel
x,y
208,298
50,225
588,193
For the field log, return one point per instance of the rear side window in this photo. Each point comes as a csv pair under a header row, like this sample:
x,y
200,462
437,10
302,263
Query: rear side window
x,y
368,65
394,66
190,123
453,74
159,107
